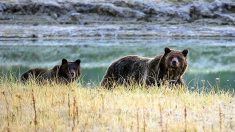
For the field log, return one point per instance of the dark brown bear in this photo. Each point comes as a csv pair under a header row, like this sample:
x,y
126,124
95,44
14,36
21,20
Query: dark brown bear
x,y
65,73
169,67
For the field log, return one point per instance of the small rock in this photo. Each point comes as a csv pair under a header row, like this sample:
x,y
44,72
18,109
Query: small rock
x,y
34,36
75,16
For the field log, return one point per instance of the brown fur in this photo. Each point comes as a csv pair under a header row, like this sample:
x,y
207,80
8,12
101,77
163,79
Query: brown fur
x,y
65,73
169,67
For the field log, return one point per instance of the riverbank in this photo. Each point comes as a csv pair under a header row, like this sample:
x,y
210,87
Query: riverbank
x,y
45,19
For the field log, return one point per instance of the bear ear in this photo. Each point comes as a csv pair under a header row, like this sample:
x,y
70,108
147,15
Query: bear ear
x,y
64,61
78,61
185,52
167,50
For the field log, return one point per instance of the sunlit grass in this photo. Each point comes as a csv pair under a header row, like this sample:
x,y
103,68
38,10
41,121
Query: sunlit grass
x,y
30,107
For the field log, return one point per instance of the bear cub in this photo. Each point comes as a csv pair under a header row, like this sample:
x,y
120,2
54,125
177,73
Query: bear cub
x,y
168,67
66,72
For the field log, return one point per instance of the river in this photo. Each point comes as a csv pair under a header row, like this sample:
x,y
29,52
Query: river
x,y
211,61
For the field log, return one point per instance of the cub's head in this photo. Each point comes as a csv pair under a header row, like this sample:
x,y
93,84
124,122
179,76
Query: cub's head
x,y
70,71
176,60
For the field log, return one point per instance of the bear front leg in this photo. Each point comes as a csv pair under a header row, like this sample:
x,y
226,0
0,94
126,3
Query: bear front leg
x,y
109,81
181,82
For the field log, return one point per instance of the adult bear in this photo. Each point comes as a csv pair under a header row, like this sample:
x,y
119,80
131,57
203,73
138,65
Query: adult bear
x,y
65,73
169,67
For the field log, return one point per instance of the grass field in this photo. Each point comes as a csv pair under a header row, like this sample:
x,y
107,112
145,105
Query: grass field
x,y
32,107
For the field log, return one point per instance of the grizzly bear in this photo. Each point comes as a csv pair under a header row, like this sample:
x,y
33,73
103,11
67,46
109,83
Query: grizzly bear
x,y
65,73
169,67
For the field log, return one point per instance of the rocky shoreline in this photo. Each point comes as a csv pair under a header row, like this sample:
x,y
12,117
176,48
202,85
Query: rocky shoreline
x,y
133,17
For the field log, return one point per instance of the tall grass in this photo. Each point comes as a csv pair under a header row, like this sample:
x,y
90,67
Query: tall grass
x,y
32,107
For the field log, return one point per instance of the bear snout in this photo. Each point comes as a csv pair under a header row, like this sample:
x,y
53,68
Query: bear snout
x,y
174,62
73,74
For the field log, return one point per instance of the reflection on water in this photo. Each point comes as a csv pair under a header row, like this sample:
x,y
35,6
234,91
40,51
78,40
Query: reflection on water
x,y
211,62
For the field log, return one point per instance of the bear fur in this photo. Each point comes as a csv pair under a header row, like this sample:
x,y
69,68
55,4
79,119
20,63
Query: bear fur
x,y
169,67
66,72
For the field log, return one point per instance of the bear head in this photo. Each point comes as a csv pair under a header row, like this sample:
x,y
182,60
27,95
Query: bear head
x,y
69,71
175,60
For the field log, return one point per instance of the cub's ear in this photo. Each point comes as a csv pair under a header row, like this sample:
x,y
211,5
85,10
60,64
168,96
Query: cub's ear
x,y
64,61
185,52
167,50
78,61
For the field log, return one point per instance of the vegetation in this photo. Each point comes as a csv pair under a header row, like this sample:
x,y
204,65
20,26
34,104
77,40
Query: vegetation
x,y
32,107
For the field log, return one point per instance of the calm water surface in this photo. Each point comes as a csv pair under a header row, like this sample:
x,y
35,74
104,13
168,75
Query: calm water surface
x,y
211,61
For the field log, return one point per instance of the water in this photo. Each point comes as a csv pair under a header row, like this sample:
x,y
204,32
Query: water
x,y
211,61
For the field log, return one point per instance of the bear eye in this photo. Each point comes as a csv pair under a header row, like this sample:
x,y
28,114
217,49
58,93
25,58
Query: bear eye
x,y
70,68
180,58
171,57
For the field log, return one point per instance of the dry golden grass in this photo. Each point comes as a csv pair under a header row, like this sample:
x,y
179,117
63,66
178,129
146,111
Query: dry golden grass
x,y
54,107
